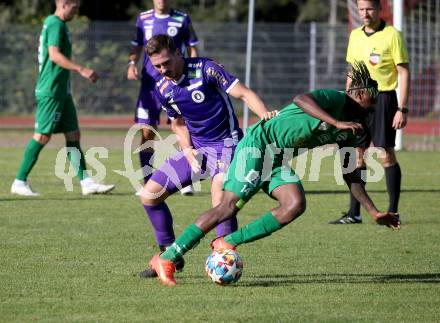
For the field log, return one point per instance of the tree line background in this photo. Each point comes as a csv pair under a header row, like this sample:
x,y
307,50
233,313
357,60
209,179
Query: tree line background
x,y
32,11
103,31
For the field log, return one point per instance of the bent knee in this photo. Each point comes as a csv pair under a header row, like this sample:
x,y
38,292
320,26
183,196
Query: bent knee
x,y
151,199
226,210
153,196
290,211
42,139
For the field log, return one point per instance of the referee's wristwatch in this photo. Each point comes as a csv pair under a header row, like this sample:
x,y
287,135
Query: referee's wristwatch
x,y
403,110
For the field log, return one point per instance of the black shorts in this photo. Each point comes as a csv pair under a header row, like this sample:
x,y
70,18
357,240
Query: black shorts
x,y
379,128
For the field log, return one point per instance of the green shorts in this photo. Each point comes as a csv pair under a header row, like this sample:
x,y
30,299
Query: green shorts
x,y
254,168
55,115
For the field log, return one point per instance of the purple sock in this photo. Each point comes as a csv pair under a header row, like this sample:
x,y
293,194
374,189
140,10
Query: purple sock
x,y
146,159
227,227
162,222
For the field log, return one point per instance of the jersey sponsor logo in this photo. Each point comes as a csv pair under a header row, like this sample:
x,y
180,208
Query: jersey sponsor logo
x,y
220,78
172,31
148,22
194,86
194,74
374,58
198,96
175,24
148,34
252,177
195,65
178,18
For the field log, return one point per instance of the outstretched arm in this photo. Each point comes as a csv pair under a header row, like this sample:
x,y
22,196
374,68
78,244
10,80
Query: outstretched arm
x,y
252,100
354,182
307,103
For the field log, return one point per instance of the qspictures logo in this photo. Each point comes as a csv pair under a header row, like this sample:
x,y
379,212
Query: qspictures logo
x,y
306,163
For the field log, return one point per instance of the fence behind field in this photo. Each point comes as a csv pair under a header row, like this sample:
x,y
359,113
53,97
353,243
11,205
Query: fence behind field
x,y
287,59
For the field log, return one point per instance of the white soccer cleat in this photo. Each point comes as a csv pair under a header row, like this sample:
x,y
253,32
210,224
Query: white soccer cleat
x,y
88,187
187,190
22,188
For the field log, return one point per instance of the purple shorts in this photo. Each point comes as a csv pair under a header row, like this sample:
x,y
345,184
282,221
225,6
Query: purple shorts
x,y
176,172
148,107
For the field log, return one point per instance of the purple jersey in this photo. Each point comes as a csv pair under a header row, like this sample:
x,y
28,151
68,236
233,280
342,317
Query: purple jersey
x,y
201,98
176,25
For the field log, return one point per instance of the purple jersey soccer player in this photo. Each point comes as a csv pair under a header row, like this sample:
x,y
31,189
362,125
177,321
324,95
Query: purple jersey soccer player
x,y
160,20
194,90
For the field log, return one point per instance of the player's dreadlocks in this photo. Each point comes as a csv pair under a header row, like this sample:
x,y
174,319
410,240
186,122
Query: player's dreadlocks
x,y
361,79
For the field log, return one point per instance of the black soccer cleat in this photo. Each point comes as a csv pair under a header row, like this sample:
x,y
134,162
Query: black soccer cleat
x,y
151,273
347,219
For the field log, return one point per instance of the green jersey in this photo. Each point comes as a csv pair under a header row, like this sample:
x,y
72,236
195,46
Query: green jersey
x,y
293,128
53,80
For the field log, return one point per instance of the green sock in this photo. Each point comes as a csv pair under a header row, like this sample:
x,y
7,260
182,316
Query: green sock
x,y
30,157
187,240
258,229
76,157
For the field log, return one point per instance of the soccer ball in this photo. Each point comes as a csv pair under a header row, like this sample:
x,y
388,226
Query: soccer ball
x,y
224,266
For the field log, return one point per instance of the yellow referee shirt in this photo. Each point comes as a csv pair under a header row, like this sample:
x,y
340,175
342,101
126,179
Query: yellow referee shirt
x,y
381,52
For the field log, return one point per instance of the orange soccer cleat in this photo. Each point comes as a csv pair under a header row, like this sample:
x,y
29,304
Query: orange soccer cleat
x,y
165,270
220,243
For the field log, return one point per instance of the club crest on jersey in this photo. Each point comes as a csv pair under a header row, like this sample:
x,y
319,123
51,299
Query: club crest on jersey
x,y
198,96
172,31
374,58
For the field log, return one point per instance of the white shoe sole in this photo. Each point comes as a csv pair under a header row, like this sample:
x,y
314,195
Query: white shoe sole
x,y
107,189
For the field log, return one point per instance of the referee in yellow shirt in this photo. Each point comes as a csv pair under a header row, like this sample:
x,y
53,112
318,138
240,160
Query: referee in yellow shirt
x,y
383,50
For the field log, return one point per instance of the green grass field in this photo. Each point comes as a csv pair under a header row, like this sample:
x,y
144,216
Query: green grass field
x,y
67,258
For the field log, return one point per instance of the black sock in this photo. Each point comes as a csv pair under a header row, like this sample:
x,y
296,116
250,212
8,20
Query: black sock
x,y
393,177
355,206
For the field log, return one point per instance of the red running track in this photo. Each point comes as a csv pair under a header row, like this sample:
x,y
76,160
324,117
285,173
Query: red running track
x,y
414,127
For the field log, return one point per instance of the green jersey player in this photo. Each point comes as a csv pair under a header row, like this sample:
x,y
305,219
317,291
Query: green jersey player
x,y
56,111
314,119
